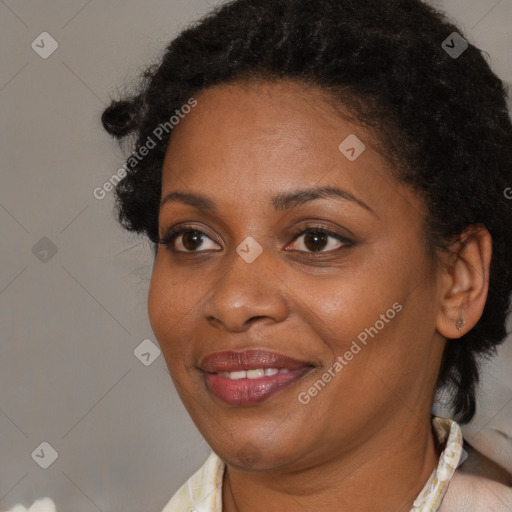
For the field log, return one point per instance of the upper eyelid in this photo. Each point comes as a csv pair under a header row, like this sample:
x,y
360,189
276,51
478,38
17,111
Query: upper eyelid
x,y
224,229
305,223
181,230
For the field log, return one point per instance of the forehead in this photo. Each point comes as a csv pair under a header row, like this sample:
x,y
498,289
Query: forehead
x,y
255,139
288,121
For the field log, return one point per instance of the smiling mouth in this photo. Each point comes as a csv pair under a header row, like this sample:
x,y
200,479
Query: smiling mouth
x,y
252,376
246,388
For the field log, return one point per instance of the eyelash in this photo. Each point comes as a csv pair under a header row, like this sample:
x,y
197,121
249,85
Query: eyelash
x,y
173,233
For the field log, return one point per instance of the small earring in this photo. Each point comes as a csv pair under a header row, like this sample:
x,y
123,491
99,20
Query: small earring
x,y
460,322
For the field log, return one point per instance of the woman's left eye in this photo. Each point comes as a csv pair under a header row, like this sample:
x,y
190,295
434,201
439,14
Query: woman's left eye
x,y
317,239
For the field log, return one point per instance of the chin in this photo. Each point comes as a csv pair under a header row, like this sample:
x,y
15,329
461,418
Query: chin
x,y
254,453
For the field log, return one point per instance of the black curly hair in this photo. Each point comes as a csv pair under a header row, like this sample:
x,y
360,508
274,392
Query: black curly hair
x,y
441,119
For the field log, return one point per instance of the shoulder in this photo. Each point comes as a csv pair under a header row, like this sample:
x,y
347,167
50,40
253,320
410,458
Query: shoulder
x,y
473,493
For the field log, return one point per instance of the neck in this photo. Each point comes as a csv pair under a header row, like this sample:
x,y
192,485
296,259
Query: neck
x,y
390,470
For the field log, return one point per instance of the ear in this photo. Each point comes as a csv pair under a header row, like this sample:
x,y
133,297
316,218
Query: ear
x,y
465,282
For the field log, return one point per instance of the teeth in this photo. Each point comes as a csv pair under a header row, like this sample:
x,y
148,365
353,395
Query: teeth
x,y
237,375
253,374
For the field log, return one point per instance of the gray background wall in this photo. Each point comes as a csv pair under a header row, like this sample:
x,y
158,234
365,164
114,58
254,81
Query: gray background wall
x,y
73,285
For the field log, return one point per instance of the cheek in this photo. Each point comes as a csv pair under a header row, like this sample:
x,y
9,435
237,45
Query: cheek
x,y
160,303
381,306
354,299
174,293
170,304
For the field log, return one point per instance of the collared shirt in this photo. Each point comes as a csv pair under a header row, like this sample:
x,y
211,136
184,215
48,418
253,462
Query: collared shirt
x,y
202,492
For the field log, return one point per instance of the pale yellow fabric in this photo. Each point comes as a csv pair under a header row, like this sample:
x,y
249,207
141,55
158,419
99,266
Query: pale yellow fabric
x,y
202,492
42,505
449,434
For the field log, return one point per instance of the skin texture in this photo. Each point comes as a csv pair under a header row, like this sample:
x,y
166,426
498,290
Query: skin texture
x,y
367,434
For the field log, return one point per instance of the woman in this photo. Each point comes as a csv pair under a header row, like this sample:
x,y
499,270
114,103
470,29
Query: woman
x,y
324,184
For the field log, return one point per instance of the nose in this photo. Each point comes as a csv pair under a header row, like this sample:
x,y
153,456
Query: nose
x,y
246,293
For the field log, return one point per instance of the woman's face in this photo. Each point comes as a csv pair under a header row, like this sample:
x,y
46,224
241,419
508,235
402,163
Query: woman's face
x,y
353,311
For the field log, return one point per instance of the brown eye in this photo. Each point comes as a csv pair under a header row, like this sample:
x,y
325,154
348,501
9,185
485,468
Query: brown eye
x,y
318,239
191,240
315,240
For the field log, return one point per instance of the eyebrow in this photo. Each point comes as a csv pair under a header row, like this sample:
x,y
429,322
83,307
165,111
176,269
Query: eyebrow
x,y
280,202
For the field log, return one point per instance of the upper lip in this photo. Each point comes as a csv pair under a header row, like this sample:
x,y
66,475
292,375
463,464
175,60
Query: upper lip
x,y
252,359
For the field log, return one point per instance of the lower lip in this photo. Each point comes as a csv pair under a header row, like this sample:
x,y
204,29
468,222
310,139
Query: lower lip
x,y
251,391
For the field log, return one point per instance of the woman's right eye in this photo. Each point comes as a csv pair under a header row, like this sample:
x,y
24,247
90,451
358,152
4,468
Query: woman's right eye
x,y
185,240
